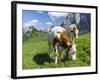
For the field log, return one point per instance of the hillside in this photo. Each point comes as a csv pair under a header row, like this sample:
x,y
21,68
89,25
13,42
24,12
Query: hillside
x,y
35,53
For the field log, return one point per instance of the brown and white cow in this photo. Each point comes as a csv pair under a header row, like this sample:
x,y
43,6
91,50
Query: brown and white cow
x,y
61,41
59,38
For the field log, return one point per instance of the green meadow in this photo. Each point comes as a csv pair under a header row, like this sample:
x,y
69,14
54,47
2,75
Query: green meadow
x,y
35,52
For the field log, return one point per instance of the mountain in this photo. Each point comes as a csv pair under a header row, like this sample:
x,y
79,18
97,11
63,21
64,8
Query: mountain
x,y
82,20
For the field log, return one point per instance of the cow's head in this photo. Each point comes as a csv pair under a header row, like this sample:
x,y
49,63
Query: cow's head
x,y
75,32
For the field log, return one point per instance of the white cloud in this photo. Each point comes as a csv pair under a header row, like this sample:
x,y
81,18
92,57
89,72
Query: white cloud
x,y
34,21
49,23
55,15
29,23
25,24
41,12
52,18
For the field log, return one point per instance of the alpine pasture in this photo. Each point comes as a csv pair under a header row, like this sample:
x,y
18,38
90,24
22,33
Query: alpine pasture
x,y
36,56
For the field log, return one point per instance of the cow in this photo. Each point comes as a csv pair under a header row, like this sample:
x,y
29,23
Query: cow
x,y
59,39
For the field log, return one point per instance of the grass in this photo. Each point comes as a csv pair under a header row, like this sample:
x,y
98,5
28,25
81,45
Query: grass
x,y
35,53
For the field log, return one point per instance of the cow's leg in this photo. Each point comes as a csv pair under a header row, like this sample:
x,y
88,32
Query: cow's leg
x,y
59,54
73,55
56,56
59,57
67,53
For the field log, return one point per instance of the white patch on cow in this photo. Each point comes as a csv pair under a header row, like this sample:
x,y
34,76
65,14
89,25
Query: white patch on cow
x,y
68,44
57,29
56,58
58,35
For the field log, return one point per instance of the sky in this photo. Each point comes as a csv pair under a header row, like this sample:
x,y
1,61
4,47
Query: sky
x,y
41,20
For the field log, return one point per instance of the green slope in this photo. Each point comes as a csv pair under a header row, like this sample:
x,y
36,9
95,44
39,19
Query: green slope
x,y
35,53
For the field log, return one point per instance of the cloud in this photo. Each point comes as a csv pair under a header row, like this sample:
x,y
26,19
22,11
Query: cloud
x,y
56,15
41,12
34,21
49,23
52,18
29,23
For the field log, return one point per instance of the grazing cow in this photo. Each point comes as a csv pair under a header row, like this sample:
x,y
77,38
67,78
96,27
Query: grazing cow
x,y
58,38
73,32
62,40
